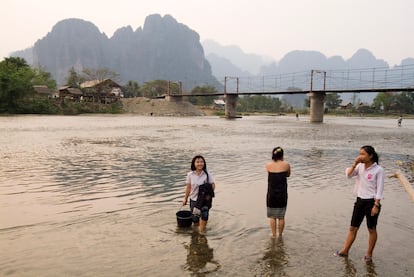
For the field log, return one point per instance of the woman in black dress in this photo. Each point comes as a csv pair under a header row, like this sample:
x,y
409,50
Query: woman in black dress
x,y
276,202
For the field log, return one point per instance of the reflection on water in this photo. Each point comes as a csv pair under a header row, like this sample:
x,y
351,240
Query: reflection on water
x,y
275,259
370,267
350,269
200,257
98,195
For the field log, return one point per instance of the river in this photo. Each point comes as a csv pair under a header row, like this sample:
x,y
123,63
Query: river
x,y
97,195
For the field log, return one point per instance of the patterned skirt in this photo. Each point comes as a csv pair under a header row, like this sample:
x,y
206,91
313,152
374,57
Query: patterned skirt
x,y
276,212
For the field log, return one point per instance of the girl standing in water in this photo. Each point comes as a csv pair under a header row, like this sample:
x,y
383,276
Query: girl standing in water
x,y
369,185
276,200
198,178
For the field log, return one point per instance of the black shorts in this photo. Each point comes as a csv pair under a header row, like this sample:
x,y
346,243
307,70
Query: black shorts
x,y
204,212
362,208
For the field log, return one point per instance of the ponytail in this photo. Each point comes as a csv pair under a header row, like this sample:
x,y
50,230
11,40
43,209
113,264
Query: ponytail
x,y
371,151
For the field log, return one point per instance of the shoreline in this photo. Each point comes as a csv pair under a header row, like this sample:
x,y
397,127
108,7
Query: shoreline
x,y
161,107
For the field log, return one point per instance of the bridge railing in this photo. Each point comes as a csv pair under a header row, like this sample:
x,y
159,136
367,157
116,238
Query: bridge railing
x,y
381,78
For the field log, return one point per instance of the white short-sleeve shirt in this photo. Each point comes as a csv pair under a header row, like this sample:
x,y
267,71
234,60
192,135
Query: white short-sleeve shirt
x,y
195,181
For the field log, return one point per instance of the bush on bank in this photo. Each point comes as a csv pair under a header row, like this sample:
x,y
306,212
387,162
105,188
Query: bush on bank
x,y
50,106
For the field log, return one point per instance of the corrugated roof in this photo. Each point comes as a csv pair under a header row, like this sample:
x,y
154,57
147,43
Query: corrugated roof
x,y
75,91
94,83
70,90
90,84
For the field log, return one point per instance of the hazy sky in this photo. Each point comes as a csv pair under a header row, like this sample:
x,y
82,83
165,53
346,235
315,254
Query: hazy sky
x,y
266,27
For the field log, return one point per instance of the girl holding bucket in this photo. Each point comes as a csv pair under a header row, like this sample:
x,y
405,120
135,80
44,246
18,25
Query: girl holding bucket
x,y
196,178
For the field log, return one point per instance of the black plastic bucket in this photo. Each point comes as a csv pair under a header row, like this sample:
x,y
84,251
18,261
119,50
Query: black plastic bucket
x,y
184,218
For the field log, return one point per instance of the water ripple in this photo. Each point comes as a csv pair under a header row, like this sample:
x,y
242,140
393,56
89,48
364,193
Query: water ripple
x,y
98,195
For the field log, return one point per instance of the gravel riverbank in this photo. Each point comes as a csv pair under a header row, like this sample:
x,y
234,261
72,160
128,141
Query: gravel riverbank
x,y
159,107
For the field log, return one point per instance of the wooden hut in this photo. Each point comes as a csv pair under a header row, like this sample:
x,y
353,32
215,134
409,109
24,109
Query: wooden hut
x,y
73,94
43,91
346,106
101,91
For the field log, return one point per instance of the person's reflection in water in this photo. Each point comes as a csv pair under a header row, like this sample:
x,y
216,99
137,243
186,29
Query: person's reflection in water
x,y
275,259
200,257
350,270
371,269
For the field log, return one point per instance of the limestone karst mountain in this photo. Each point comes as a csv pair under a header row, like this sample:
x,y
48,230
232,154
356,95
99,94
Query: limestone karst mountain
x,y
161,49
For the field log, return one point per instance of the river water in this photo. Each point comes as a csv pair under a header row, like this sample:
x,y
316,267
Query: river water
x,y
98,195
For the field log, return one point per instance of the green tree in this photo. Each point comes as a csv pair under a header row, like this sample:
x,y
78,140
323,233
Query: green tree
x,y
15,83
131,89
332,100
158,88
404,102
43,77
74,80
258,103
203,100
384,100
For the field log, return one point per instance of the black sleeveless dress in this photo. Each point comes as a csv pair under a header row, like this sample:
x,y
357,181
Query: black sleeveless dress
x,y
277,190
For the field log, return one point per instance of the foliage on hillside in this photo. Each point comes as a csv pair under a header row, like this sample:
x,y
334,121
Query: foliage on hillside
x,y
17,95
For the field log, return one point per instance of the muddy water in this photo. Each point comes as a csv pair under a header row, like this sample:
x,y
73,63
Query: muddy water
x,y
97,196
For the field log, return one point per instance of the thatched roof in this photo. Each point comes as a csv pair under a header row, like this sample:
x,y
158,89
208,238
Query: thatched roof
x,y
42,89
70,90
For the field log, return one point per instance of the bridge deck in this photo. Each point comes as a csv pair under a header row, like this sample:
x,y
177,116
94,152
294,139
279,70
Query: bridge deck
x,y
297,92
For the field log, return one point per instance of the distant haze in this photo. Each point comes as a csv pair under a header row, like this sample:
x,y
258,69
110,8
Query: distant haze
x,y
265,27
167,49
163,49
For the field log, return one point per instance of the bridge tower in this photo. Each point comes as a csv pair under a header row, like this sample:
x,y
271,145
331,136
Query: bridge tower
x,y
317,99
230,99
170,96
230,108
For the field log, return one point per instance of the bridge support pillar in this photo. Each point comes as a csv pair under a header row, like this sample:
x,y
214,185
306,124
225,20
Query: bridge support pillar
x,y
230,108
172,98
316,106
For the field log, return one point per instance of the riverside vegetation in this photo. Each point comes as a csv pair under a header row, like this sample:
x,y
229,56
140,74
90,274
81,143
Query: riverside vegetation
x,y
17,96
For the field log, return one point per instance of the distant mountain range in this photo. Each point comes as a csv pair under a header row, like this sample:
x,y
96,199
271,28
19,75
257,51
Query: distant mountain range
x,y
162,49
166,49
232,61
236,61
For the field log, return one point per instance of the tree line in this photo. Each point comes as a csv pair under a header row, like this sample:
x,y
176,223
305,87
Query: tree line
x,y
17,79
384,102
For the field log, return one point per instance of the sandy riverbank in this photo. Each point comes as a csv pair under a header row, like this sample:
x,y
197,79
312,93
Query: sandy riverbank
x,y
159,107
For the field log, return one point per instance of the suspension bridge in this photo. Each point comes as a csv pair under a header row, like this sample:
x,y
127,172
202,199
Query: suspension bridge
x,y
316,83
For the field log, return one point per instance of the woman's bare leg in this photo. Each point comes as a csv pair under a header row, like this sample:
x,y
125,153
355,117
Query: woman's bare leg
x,y
272,222
281,225
202,227
350,238
371,241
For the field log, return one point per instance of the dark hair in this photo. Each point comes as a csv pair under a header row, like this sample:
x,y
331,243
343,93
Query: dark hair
x,y
371,151
193,162
277,153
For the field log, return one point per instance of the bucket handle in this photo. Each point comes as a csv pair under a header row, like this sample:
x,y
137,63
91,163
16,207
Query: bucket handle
x,y
183,207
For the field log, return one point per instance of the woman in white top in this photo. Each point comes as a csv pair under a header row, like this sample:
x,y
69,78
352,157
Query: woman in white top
x,y
195,178
369,186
